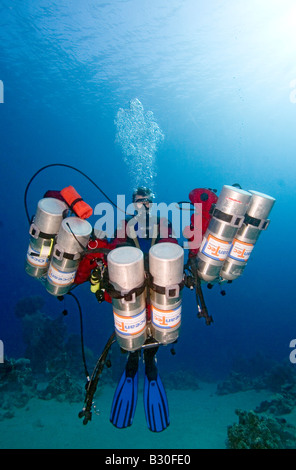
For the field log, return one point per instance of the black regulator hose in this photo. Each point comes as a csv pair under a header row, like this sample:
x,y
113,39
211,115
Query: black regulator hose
x,y
86,412
81,334
65,166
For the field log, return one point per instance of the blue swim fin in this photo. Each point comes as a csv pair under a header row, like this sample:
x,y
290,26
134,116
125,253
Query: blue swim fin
x,y
126,394
155,399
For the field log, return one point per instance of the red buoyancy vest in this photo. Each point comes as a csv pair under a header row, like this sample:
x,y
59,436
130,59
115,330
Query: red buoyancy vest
x,y
89,261
76,203
55,194
207,198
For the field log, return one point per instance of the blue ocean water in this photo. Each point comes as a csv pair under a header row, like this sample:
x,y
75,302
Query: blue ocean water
x,y
216,85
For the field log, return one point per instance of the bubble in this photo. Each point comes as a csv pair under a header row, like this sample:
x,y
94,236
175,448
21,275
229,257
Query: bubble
x,y
139,136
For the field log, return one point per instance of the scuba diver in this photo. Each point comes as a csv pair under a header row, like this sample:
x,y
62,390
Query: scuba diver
x,y
142,231
141,271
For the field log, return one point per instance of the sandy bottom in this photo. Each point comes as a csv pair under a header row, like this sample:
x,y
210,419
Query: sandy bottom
x,y
199,420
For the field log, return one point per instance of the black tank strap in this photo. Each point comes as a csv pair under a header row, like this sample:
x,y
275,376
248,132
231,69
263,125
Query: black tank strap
x,y
75,202
115,294
161,289
261,224
230,219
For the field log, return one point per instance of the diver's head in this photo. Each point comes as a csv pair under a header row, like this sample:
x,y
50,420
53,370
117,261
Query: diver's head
x,y
142,197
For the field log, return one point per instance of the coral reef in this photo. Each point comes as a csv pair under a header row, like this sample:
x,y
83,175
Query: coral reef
x,y
263,428
280,376
279,405
276,377
62,387
284,401
259,432
52,367
254,366
237,382
17,385
16,374
246,374
43,336
48,346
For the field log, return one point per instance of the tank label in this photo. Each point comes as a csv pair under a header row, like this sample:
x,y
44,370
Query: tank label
x,y
240,251
215,248
130,325
166,318
60,278
36,259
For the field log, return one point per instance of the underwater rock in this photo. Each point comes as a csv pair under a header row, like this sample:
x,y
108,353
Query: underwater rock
x,y
259,432
280,405
181,380
16,374
62,387
17,385
43,336
6,415
69,359
254,366
48,346
236,382
276,377
247,373
54,356
282,375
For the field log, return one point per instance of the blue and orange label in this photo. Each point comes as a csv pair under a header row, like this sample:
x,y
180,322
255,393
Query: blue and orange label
x,y
240,251
166,318
130,325
215,248
60,278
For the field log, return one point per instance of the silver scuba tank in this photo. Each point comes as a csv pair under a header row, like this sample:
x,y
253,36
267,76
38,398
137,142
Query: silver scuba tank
x,y
71,240
166,266
126,274
47,220
227,218
255,222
